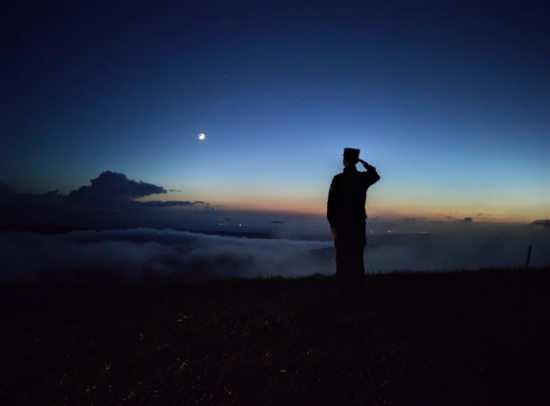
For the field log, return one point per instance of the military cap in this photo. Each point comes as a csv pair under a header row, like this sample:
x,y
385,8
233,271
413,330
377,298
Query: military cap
x,y
351,154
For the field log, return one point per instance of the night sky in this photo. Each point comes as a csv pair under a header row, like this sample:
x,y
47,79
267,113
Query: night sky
x,y
450,101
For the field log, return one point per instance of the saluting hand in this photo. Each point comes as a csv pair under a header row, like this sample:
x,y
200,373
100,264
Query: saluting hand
x,y
366,165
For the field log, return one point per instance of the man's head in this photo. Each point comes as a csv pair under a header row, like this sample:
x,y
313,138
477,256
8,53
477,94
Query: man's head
x,y
351,156
348,163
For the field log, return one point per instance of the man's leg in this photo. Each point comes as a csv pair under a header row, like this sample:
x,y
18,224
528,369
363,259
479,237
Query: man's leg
x,y
357,259
344,267
350,270
358,267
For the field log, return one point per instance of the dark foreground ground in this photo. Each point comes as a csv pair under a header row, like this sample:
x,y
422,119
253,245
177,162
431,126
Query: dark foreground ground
x,y
464,338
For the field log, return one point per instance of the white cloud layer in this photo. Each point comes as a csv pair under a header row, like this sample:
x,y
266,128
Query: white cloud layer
x,y
133,253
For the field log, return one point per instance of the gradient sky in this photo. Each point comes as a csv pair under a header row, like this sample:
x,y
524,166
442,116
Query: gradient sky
x,y
450,101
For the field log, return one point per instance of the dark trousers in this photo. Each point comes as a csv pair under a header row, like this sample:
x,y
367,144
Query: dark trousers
x,y
350,244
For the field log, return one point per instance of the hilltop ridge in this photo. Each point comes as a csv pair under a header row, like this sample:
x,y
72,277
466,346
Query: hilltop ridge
x,y
475,337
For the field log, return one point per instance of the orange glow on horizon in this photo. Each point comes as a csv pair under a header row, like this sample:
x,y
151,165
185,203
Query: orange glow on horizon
x,y
390,210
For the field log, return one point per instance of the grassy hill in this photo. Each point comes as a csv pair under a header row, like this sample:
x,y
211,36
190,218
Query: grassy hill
x,y
476,338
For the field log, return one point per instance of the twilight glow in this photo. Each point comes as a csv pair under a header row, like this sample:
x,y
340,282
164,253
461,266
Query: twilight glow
x,y
450,106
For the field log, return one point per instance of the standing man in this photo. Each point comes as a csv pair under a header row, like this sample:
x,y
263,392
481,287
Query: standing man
x,y
347,216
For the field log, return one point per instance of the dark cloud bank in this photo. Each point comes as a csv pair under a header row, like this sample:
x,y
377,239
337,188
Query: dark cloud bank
x,y
109,202
112,185
290,246
109,189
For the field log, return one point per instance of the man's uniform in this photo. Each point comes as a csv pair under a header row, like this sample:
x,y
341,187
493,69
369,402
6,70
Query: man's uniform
x,y
346,213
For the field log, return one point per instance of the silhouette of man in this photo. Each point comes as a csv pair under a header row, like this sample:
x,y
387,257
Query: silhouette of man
x,y
347,216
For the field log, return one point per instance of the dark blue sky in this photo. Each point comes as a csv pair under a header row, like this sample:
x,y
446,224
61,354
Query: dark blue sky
x,y
449,100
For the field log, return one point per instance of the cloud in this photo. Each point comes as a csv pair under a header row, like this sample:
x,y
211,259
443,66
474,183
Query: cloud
x,y
110,194
545,223
170,203
479,214
132,254
407,219
460,249
467,219
6,191
277,222
114,186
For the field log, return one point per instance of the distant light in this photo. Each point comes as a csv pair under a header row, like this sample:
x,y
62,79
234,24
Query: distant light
x,y
389,231
371,231
240,225
202,136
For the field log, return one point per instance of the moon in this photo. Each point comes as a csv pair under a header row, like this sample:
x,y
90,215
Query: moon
x,y
202,136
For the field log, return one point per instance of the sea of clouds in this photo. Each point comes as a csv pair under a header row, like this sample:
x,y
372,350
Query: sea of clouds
x,y
144,254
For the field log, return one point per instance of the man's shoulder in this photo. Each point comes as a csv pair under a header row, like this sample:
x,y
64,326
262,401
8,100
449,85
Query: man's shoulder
x,y
335,182
337,178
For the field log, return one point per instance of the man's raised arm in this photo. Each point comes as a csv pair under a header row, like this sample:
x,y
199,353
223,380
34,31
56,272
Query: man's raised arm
x,y
371,174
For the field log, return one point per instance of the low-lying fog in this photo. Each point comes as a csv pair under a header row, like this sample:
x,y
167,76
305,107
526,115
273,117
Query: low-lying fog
x,y
133,253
